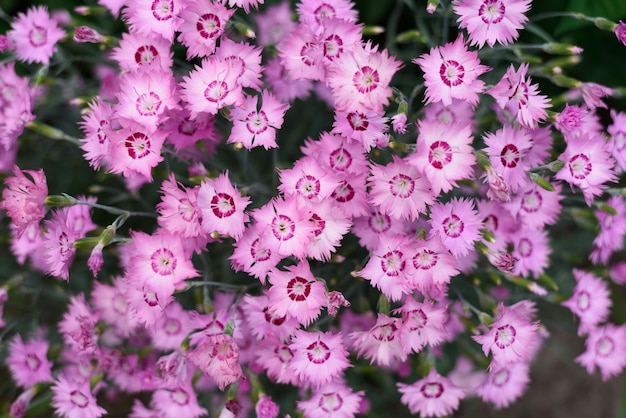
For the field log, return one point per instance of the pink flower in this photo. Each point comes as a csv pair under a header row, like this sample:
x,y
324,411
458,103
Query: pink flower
x,y
178,210
20,405
507,149
154,17
422,324
433,396
78,327
588,165
620,32
222,207
511,337
399,189
218,357
316,13
430,265
515,93
532,250
111,304
301,54
457,224
203,22
75,399
444,154
296,293
264,323
266,408
135,149
535,206
212,85
254,128
246,55
58,244
617,139
451,72
274,23
137,52
28,363
359,79
96,124
491,21
331,224
606,349
612,227
318,357
333,400
254,254
24,197
505,384
590,301
371,227
380,344
178,401
593,93
367,127
35,35
387,267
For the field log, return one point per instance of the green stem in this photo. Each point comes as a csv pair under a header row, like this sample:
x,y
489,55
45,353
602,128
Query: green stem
x,y
51,132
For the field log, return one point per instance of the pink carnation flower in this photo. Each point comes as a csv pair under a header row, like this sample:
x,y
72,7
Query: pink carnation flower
x,y
178,401
203,23
590,301
73,398
24,197
137,52
28,363
218,357
606,349
451,72
332,400
432,396
368,127
505,384
34,35
178,210
154,17
507,149
254,254
381,344
316,13
457,224
617,139
318,357
531,248
491,21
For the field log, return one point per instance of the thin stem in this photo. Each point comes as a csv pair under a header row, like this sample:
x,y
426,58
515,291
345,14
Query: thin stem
x,y
112,210
51,132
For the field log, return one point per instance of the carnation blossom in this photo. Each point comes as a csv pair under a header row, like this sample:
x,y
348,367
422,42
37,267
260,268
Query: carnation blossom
x,y
24,197
34,35
73,398
202,23
218,357
491,21
255,125
154,17
177,401
507,149
590,301
605,348
432,396
144,53
318,357
381,344
332,400
457,224
451,72
505,384
27,361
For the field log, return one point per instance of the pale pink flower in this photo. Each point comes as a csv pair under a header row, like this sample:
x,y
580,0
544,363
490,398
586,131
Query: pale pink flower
x,y
23,198
222,207
34,35
535,206
218,357
430,264
444,154
73,398
387,267
135,150
612,227
617,139
254,254
505,384
451,72
58,244
255,125
457,224
111,304
491,21
274,357
606,349
337,154
172,327
244,58
27,361
432,396
423,324
532,249
178,210
380,344
203,23
176,402
590,301
507,149
96,125
301,54
339,37
333,400
458,112
154,17
285,88
274,23
264,323
371,227
593,94
78,327
318,357
316,13
184,132
574,121
515,93
137,52
367,127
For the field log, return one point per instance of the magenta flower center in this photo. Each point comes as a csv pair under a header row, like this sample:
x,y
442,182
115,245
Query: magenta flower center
x,y
393,263
583,300
418,319
344,193
307,54
258,253
137,145
319,223
324,11
501,378
298,289
385,332
179,397
379,222
148,104
432,390
580,166
357,121
79,399
491,11
216,91
257,122
333,46
401,186
318,352
186,127
284,354
505,336
440,154
145,54
32,361
172,326
163,262
331,402
425,259
119,304
151,298
162,9
38,36
451,73
208,25
605,346
366,79
222,205
525,247
186,209
509,156
283,227
65,246
271,319
531,202
453,226
100,133
308,186
340,159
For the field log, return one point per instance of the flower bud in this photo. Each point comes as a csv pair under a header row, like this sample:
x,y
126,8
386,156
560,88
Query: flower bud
x,y
87,34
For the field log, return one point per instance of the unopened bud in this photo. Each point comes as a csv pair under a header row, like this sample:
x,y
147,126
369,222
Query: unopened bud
x,y
84,34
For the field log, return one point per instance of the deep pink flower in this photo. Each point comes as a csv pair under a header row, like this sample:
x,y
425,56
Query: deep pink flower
x,y
218,357
58,244
78,327
380,344
137,52
266,407
35,35
432,396
178,210
387,268
24,197
318,357
505,384
255,125
367,127
507,149
423,324
451,72
285,88
135,150
316,13
154,17
332,400
606,349
17,100
620,32
457,224
27,361
444,154
264,323
574,121
515,93
590,301
73,398
246,55
222,207
203,23
491,21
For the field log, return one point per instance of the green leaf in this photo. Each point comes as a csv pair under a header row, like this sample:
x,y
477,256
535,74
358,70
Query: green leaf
x,y
610,9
